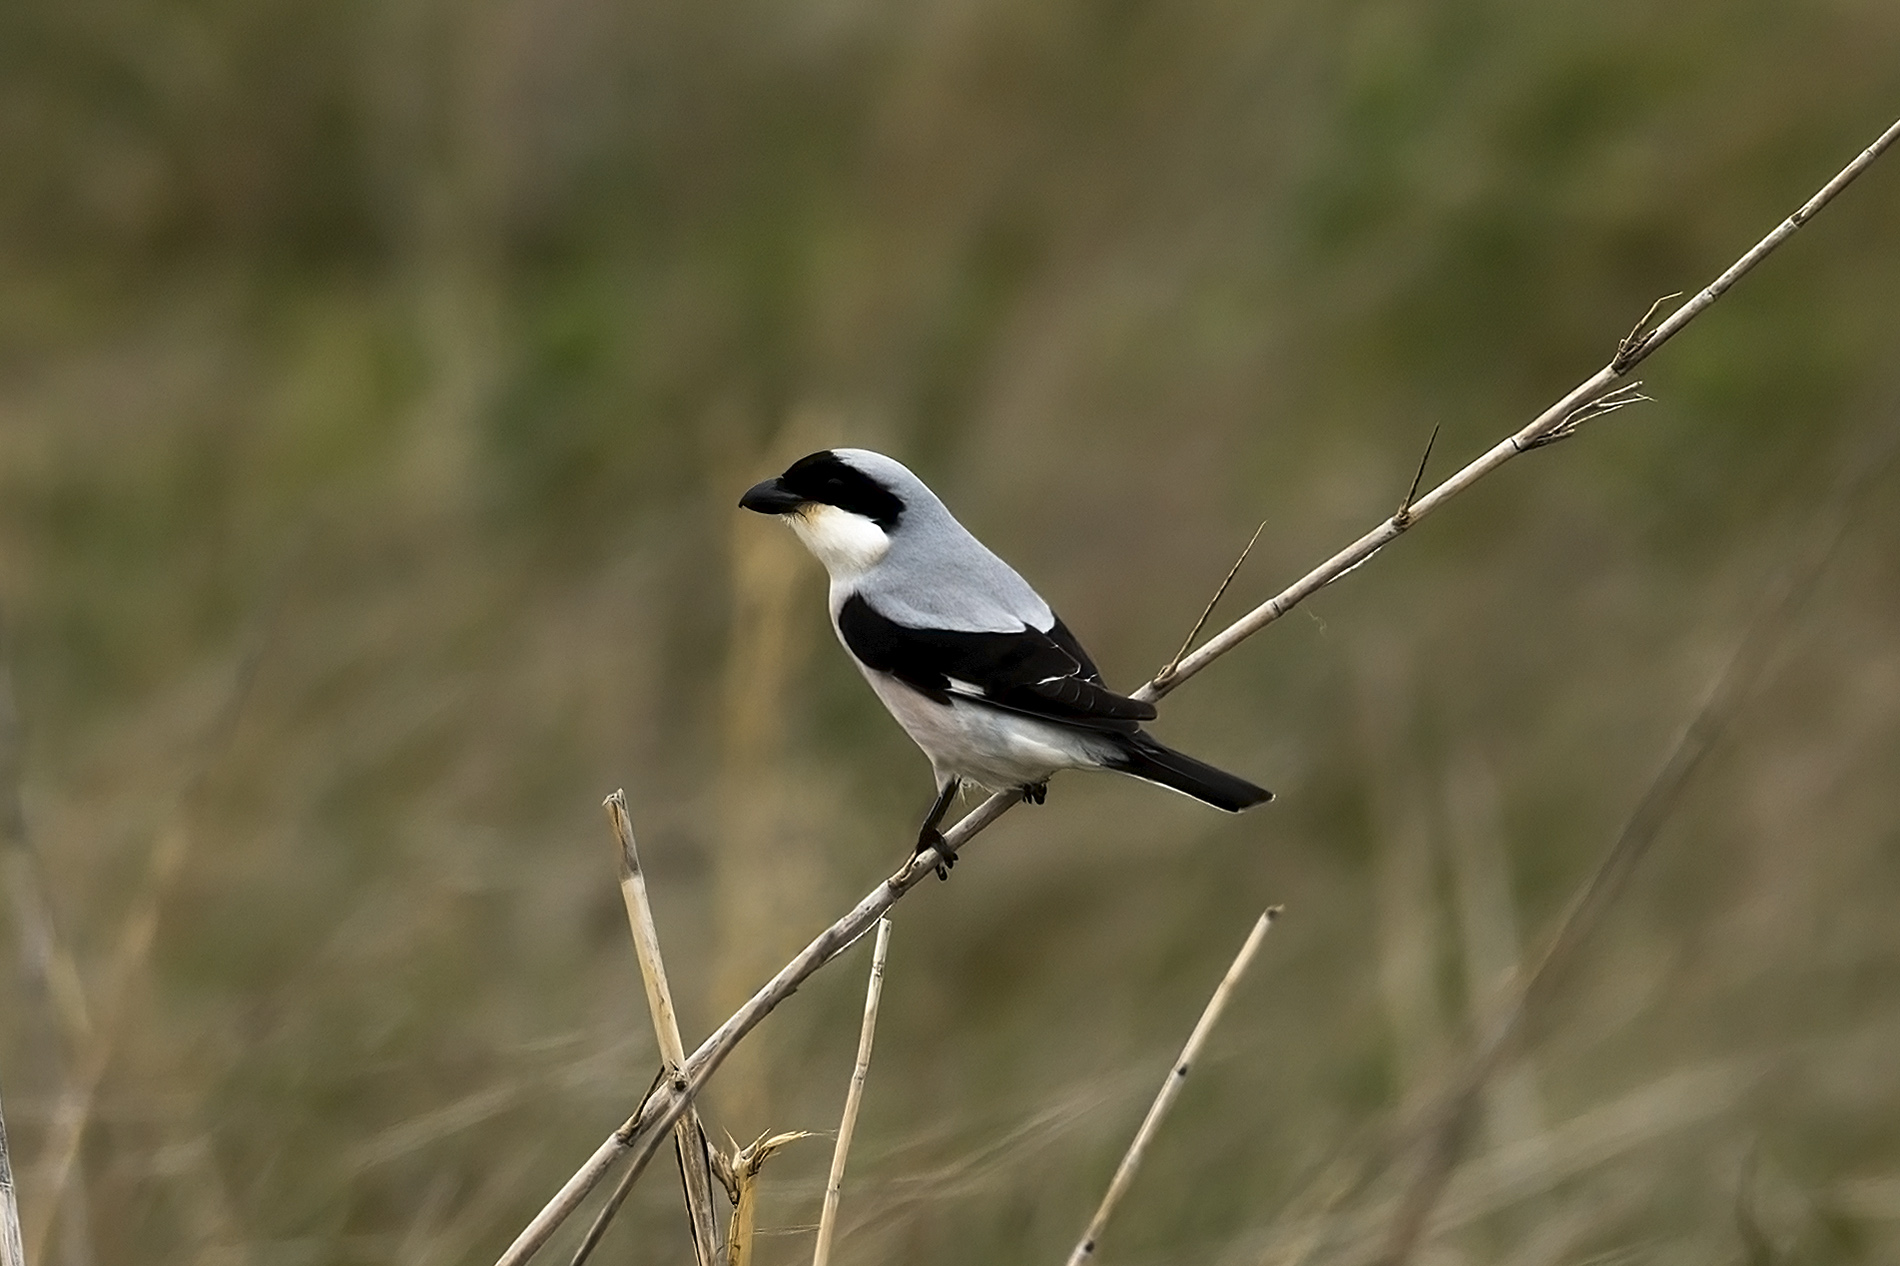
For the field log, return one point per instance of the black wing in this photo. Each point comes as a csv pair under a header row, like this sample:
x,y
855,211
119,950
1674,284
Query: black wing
x,y
1045,675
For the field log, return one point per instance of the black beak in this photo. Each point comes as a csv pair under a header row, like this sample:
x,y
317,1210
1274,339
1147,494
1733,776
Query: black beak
x,y
770,497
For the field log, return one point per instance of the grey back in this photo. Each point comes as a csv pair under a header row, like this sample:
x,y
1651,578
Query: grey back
x,y
936,574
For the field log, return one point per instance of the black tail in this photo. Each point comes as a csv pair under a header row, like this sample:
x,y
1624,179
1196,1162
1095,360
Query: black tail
x,y
1151,762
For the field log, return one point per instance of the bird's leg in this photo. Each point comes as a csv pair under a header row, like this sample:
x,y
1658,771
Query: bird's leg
x,y
1036,792
928,836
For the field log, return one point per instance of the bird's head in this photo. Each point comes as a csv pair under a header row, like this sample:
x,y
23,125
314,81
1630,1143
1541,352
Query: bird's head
x,y
843,503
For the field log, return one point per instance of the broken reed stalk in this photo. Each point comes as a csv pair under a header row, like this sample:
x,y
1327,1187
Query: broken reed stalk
x,y
12,1249
689,1137
745,1165
637,1137
1440,1138
1170,1090
848,1123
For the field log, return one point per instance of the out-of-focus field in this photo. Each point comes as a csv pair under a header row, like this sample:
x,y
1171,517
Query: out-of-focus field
x,y
376,384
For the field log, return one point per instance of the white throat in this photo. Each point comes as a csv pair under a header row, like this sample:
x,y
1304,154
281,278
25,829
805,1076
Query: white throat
x,y
847,544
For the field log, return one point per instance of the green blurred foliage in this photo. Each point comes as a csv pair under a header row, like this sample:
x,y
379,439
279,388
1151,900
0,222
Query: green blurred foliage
x,y
376,382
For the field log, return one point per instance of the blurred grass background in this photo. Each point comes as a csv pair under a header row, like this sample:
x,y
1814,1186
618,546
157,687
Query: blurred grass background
x,y
376,383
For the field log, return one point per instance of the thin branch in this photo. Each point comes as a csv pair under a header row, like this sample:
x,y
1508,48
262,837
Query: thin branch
x,y
12,1250
689,1138
1186,642
603,1219
848,1124
637,1137
1441,1139
1583,395
1170,1089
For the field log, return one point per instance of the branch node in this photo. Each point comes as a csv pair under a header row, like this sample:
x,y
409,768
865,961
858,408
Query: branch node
x,y
1607,403
1629,349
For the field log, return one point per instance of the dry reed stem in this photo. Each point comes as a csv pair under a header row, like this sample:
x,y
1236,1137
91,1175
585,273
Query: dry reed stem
x,y
12,1252
1566,413
637,1137
689,1137
848,1123
744,1169
1440,1140
1170,1090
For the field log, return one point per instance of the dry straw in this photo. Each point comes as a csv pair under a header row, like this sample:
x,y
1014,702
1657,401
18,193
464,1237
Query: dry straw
x,y
742,1172
1170,1090
688,1137
639,1137
848,1124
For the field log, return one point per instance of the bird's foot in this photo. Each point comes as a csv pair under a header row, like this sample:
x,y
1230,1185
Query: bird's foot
x,y
1036,792
930,837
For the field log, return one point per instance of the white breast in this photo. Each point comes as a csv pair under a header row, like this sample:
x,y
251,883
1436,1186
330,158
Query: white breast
x,y
985,745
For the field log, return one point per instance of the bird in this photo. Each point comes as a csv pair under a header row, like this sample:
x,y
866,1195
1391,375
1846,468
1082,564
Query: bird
x,y
967,657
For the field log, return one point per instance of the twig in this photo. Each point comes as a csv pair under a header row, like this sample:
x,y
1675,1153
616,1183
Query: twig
x,y
637,1137
618,1197
1170,1089
1441,1139
1404,513
689,1138
1186,642
12,1251
1609,402
1634,339
848,1124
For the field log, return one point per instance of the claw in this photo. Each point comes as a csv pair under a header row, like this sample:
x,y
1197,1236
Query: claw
x,y
930,837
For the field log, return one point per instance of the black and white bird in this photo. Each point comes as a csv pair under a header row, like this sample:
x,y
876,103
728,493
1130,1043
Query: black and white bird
x,y
968,658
